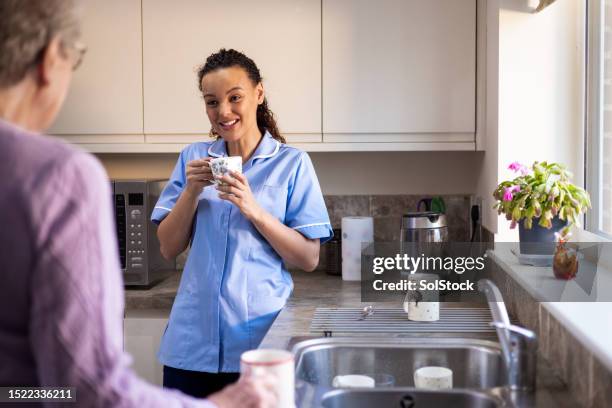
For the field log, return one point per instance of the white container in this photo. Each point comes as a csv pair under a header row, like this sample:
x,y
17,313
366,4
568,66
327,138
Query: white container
x,y
353,381
277,364
357,233
433,378
422,306
423,311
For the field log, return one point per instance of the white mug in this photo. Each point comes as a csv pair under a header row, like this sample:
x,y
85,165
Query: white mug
x,y
277,364
422,306
433,378
220,166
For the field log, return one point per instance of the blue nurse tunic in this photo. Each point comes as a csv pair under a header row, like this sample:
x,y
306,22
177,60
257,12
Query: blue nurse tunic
x,y
234,283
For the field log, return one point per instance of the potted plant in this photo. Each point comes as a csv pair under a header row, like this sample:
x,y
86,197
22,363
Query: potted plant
x,y
542,201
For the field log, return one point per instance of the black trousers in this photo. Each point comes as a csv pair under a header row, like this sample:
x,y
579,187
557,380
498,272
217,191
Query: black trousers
x,y
196,383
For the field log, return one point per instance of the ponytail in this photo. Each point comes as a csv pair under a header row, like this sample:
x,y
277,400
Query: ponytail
x,y
266,121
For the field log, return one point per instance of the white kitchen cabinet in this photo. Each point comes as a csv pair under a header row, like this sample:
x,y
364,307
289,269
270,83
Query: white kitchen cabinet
x,y
105,98
399,71
340,75
282,37
143,330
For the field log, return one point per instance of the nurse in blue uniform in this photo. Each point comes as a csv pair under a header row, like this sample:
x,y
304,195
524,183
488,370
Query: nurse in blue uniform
x,y
241,234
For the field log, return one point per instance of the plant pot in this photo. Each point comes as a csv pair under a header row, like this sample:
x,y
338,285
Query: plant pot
x,y
539,240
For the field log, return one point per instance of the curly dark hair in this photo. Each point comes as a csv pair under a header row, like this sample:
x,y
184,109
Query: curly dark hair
x,y
232,58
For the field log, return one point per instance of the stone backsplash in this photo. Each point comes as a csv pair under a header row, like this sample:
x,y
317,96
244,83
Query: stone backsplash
x,y
387,211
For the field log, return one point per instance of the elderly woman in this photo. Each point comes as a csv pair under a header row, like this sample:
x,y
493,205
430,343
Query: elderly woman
x,y
61,298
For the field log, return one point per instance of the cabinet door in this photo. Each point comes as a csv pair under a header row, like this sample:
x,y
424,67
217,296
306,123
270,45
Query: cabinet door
x,y
282,37
143,330
106,92
399,70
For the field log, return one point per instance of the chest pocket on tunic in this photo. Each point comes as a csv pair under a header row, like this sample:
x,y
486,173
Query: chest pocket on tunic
x,y
274,200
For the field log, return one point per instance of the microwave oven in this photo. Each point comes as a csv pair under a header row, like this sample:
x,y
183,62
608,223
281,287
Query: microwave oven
x,y
139,253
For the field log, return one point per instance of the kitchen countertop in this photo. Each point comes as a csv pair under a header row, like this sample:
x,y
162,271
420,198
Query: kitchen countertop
x,y
317,289
158,296
311,290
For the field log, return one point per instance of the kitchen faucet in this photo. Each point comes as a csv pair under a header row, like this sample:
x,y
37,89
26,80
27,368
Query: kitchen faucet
x,y
518,344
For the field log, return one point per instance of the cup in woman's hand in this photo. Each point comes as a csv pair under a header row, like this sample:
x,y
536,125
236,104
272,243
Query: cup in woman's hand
x,y
277,364
221,166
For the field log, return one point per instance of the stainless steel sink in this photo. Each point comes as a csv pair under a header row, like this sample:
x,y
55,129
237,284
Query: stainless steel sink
x,y
476,364
408,398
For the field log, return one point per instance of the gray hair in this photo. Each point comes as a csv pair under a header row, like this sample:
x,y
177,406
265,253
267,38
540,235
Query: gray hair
x,y
27,27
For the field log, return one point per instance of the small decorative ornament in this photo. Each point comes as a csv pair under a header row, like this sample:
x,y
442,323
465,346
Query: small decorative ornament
x,y
565,260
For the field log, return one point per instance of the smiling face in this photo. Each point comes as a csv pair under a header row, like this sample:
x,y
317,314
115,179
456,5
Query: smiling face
x,y
231,101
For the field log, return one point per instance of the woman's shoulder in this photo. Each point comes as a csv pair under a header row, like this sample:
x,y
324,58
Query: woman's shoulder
x,y
291,152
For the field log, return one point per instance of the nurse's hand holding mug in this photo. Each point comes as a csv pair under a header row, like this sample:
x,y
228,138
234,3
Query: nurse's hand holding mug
x,y
235,189
199,175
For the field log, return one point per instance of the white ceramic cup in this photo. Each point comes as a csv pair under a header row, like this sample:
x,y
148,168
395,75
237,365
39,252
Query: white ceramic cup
x,y
423,311
422,306
353,381
220,166
277,364
433,378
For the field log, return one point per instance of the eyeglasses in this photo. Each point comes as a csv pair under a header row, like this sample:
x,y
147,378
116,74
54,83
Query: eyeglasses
x,y
79,49
75,51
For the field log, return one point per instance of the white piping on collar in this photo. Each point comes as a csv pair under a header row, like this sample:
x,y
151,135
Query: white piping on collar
x,y
264,156
211,153
260,156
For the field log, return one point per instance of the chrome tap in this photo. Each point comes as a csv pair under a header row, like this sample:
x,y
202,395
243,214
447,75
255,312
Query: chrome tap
x,y
519,345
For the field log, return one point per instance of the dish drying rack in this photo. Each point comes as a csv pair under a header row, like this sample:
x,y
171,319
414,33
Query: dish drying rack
x,y
328,321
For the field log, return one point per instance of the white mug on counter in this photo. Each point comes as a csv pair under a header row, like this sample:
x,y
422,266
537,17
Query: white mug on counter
x,y
277,364
422,305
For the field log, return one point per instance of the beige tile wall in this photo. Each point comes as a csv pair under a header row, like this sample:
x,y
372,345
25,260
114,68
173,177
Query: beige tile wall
x,y
422,173
126,166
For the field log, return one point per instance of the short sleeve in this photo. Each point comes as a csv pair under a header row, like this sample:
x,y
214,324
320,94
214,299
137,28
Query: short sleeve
x,y
306,210
171,193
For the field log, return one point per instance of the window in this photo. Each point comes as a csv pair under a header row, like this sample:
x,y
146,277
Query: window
x,y
598,158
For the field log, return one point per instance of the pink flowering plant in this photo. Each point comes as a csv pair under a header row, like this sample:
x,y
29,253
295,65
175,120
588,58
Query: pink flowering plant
x,y
542,192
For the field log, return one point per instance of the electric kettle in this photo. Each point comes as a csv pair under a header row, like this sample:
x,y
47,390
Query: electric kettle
x,y
426,226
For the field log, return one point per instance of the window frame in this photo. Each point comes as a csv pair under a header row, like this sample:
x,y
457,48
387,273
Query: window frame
x,y
593,157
